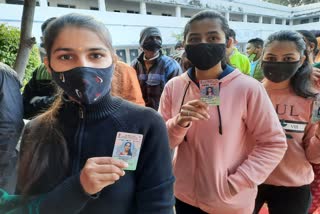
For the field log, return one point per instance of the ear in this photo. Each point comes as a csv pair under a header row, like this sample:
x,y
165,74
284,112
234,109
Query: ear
x,y
312,46
303,58
229,42
47,64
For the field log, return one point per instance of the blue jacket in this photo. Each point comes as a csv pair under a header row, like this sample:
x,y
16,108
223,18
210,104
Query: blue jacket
x,y
152,81
11,123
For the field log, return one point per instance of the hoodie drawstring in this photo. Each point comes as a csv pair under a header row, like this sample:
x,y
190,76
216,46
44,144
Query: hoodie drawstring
x,y
219,114
184,95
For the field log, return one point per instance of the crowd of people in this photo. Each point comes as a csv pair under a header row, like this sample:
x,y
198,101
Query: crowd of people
x,y
257,146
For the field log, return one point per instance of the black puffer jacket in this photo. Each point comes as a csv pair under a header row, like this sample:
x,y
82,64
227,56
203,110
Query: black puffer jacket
x,y
11,122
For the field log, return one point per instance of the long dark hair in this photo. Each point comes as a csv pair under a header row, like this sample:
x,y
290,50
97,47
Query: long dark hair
x,y
209,14
129,152
44,159
300,82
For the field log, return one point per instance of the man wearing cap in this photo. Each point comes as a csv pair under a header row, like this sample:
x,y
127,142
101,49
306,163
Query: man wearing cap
x,y
153,68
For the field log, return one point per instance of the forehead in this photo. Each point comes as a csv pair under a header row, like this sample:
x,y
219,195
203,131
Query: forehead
x,y
206,25
280,48
78,38
249,45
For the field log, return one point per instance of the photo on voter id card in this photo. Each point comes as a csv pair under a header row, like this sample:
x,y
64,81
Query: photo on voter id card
x,y
209,90
316,112
127,148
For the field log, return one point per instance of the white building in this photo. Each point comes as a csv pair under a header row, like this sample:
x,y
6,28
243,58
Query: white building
x,y
126,18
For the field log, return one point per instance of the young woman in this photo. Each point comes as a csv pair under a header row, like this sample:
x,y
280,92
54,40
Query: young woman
x,y
229,148
287,70
66,152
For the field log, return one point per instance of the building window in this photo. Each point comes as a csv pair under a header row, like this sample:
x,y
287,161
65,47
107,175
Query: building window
x,y
66,6
117,11
287,22
132,11
304,21
94,8
187,16
253,19
14,2
166,14
266,20
315,19
122,55
279,21
149,13
133,54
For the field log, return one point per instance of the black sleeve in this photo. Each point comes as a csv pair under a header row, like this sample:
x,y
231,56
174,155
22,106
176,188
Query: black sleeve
x,y
155,176
34,88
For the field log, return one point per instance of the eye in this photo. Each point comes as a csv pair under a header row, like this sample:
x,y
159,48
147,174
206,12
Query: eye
x,y
289,59
96,56
194,39
212,38
65,57
270,59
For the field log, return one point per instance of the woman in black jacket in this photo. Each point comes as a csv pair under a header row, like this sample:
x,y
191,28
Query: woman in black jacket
x,y
66,153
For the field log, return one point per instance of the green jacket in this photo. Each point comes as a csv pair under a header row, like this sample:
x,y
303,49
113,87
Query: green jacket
x,y
240,61
17,204
257,73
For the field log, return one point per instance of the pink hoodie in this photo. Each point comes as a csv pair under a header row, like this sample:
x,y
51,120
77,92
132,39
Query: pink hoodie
x,y
303,147
207,163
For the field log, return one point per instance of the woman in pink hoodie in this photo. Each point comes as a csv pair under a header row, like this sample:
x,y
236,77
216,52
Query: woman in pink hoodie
x,y
287,72
222,152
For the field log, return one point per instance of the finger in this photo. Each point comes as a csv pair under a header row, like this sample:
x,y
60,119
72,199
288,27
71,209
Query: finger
x,y
198,103
193,111
108,168
108,160
108,177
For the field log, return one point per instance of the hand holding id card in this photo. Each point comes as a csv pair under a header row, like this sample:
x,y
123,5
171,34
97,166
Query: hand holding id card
x,y
127,148
209,90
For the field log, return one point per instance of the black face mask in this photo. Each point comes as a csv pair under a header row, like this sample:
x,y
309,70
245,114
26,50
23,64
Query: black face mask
x,y
85,84
205,55
152,45
279,71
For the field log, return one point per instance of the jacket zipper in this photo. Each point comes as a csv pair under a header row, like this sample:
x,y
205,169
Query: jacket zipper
x,y
78,141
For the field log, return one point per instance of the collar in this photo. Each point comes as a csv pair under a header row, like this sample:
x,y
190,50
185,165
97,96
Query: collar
x,y
141,57
226,71
99,110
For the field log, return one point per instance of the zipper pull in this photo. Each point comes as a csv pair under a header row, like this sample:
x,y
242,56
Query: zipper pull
x,y
81,113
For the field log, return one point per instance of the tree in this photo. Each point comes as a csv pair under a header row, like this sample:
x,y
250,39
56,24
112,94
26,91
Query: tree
x,y
26,39
293,3
9,44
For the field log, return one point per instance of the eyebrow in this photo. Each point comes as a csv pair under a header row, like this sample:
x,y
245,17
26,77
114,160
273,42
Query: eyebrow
x,y
208,33
71,49
289,54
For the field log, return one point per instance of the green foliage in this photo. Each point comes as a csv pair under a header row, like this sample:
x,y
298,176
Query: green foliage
x,y
9,44
293,2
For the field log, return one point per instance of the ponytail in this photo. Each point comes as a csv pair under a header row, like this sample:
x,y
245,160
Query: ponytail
x,y
44,158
